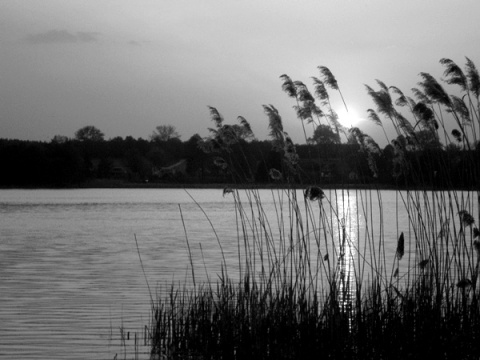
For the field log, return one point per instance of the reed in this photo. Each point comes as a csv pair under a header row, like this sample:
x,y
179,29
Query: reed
x,y
317,277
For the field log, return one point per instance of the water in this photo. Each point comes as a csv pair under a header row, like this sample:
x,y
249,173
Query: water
x,y
70,274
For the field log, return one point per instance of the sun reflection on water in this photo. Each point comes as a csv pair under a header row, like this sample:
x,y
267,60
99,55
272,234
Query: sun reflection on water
x,y
346,222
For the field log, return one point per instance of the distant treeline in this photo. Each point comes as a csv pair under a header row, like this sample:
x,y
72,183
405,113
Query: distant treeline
x,y
76,163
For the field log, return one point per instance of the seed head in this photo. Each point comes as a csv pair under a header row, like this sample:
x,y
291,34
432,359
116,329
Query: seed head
x,y
314,193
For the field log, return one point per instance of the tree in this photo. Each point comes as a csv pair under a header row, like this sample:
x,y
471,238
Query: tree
x,y
59,139
323,134
164,133
89,133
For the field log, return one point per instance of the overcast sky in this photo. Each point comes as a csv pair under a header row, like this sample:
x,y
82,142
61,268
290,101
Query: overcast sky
x,y
129,66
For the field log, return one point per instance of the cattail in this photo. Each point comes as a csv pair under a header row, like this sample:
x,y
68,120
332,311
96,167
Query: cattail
x,y
314,193
400,247
476,233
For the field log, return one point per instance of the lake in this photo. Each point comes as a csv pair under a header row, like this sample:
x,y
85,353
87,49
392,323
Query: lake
x,y
71,280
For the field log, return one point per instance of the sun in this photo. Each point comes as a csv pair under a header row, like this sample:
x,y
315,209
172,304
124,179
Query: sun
x,y
348,119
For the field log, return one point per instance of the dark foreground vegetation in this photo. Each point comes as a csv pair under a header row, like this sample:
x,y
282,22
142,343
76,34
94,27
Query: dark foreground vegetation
x,y
309,282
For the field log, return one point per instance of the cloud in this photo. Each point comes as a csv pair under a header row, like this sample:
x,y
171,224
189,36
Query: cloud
x,y
62,36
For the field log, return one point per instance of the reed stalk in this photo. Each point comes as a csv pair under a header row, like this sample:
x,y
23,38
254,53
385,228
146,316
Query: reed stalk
x,y
317,276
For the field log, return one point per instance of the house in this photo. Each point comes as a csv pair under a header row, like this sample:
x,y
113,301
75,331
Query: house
x,y
110,168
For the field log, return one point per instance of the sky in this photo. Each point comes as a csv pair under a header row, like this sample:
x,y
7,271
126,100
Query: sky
x,y
127,66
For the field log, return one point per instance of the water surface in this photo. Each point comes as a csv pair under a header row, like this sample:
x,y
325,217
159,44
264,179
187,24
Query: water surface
x,y
70,273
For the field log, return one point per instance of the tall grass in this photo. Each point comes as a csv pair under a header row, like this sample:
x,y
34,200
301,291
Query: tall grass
x,y
316,277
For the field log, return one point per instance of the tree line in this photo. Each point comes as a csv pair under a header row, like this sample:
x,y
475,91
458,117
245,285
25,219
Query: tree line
x,y
229,156
435,144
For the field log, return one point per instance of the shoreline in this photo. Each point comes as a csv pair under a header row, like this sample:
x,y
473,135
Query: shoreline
x,y
118,184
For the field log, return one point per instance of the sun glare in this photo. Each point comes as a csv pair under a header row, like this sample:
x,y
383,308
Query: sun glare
x,y
348,119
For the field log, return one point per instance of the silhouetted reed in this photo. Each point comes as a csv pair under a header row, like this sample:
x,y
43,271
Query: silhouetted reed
x,y
318,278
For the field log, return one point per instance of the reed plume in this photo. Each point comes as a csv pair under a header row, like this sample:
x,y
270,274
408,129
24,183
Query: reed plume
x,y
216,117
274,123
457,135
246,132
473,77
425,116
402,100
303,94
460,108
320,90
421,97
314,193
372,115
288,86
382,100
434,90
466,218
331,81
454,74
